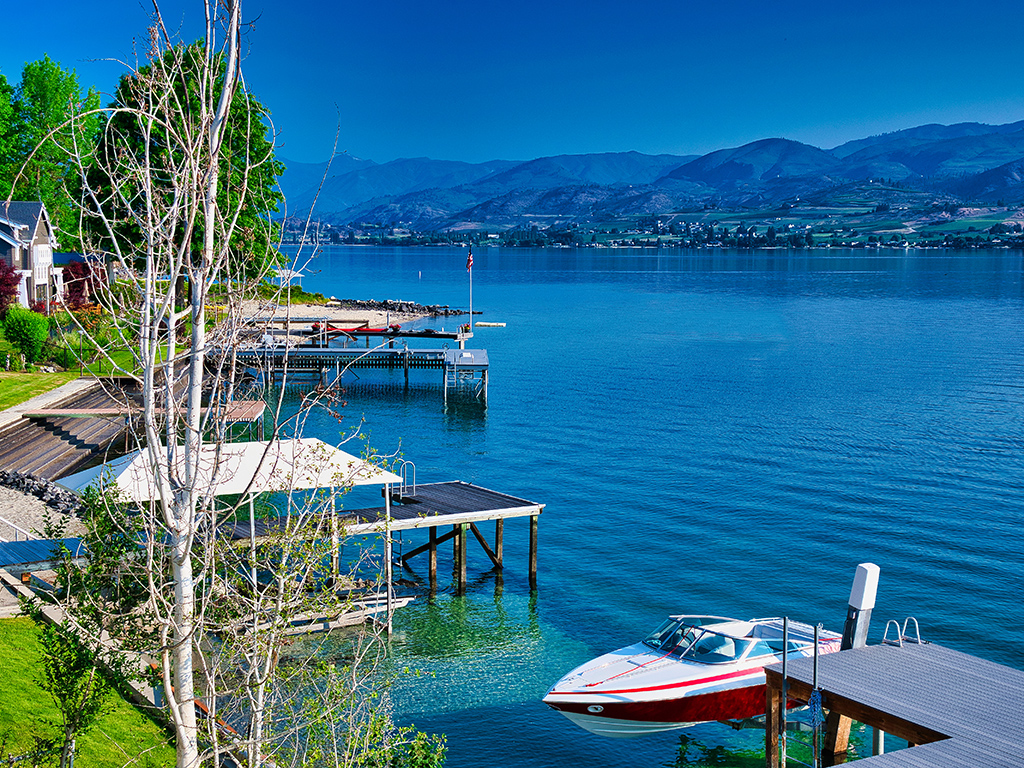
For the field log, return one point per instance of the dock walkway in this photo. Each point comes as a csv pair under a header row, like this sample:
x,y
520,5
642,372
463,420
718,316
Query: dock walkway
x,y
54,446
430,506
953,708
465,368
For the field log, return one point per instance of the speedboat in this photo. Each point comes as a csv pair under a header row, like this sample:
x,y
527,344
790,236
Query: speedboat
x,y
691,669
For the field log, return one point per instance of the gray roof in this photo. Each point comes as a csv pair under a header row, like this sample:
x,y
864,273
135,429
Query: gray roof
x,y
35,551
22,212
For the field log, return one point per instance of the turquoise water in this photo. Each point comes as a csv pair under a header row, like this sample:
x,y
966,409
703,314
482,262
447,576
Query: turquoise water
x,y
723,432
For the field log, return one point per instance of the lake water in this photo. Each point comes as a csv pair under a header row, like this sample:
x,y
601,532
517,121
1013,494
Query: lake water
x,y
720,432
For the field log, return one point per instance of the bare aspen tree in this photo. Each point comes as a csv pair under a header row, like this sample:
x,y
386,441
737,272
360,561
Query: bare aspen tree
x,y
171,200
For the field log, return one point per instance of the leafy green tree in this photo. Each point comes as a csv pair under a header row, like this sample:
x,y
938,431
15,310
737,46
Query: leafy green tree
x,y
8,139
52,127
71,677
248,168
26,330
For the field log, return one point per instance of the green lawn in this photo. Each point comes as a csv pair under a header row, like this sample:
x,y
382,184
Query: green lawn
x,y
122,736
18,387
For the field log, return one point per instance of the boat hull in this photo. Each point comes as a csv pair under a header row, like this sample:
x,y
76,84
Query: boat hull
x,y
636,718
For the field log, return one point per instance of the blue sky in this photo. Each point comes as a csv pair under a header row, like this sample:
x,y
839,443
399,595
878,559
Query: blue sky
x,y
493,79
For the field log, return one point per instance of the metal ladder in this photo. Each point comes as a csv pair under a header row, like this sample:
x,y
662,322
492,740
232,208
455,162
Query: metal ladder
x,y
901,633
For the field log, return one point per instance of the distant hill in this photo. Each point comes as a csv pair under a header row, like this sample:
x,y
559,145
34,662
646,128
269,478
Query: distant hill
x,y
938,165
756,162
398,177
945,158
923,134
303,178
1003,183
606,168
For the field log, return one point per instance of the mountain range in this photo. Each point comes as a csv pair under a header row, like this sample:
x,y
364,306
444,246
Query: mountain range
x,y
965,163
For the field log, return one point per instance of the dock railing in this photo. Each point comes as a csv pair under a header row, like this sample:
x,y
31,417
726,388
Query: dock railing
x,y
405,469
16,529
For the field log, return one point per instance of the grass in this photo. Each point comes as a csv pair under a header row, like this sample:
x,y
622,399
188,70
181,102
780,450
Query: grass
x,y
16,388
962,226
122,735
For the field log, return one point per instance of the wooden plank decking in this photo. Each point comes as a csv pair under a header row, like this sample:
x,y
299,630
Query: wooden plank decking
x,y
430,506
235,412
958,709
52,447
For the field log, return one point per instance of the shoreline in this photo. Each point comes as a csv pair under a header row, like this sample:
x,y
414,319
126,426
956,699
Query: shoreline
x,y
373,313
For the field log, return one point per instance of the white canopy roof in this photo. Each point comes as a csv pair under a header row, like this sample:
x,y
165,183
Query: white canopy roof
x,y
256,467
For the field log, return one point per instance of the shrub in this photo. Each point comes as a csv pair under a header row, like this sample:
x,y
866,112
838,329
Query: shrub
x,y
9,282
26,330
82,281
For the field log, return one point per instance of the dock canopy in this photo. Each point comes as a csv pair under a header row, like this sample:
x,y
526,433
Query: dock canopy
x,y
234,468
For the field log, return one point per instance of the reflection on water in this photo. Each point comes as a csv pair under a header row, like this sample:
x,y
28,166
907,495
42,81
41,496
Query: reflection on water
x,y
694,752
481,650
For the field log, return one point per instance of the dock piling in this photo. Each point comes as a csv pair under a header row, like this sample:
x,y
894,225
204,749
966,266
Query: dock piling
x,y
855,635
461,560
533,551
433,559
499,539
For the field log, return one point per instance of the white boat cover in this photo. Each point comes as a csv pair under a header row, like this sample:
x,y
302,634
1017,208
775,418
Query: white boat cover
x,y
254,467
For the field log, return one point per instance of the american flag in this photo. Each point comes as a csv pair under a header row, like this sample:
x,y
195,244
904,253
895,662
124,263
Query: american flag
x,y
469,261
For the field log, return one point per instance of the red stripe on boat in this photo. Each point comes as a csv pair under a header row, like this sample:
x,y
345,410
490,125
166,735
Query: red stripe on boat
x,y
687,684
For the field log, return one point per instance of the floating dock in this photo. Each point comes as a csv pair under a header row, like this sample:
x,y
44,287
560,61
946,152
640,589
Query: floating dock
x,y
953,709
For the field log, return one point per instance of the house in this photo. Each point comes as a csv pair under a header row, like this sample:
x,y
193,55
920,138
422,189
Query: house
x,y
27,240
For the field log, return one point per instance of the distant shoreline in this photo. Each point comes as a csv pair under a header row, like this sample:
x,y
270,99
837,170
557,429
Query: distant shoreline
x,y
903,246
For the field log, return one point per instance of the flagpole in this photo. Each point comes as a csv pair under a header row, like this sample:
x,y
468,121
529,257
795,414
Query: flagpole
x,y
469,268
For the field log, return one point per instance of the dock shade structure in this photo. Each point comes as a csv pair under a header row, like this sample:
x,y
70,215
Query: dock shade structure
x,y
237,468
248,468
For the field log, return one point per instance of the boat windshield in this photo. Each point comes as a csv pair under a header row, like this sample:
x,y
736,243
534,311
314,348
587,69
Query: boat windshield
x,y
672,637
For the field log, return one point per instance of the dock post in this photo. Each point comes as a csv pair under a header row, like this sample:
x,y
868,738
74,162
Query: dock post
x,y
855,635
773,706
433,559
499,539
533,551
335,542
463,546
405,365
387,552
877,741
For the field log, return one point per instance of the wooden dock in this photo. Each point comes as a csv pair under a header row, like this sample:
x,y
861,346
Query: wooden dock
x,y
461,368
431,506
954,709
60,444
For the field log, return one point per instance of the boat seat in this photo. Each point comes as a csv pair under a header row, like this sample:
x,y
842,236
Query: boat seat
x,y
718,646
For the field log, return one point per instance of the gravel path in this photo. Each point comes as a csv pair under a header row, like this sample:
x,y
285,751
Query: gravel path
x,y
26,511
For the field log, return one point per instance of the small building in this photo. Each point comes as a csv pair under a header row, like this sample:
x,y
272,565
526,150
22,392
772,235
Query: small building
x,y
27,240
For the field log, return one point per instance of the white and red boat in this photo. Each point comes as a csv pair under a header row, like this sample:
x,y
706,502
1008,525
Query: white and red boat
x,y
692,669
